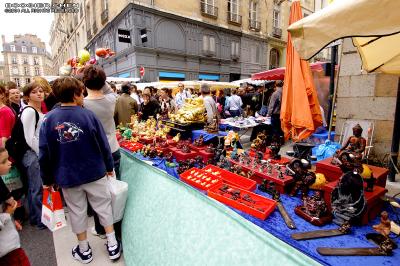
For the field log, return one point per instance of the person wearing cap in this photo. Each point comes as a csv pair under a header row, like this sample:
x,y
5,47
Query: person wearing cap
x,y
126,106
209,103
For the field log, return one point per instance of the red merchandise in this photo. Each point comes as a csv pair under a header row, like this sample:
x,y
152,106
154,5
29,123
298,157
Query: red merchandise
x,y
231,178
182,156
282,185
206,155
200,179
374,201
243,200
131,146
333,172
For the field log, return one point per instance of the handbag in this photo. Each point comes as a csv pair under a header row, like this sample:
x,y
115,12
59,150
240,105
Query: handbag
x,y
53,215
119,195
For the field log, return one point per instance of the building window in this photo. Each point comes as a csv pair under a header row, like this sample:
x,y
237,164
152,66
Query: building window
x,y
34,50
35,61
277,17
12,48
16,80
254,24
235,54
26,71
209,7
23,49
37,71
15,70
14,60
233,11
273,58
104,5
208,45
25,60
27,80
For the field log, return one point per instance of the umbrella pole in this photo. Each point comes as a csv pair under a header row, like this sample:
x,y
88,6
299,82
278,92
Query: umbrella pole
x,y
333,87
395,138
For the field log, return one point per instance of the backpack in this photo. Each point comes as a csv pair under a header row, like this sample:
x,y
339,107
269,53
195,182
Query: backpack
x,y
16,145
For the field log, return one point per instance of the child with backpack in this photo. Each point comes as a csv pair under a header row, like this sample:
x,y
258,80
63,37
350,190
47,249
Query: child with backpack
x,y
23,147
11,252
75,155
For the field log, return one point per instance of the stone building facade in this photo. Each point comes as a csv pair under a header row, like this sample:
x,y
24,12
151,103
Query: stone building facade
x,y
192,39
24,58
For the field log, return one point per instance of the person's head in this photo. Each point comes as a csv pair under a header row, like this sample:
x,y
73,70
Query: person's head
x,y
126,87
181,87
44,84
205,89
279,84
68,90
146,97
5,164
241,91
14,95
3,94
154,91
147,90
134,89
11,85
357,130
34,92
94,77
164,93
234,91
113,87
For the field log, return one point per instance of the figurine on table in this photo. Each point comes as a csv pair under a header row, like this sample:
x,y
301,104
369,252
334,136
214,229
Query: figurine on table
x,y
259,144
355,144
383,227
213,127
199,142
275,147
297,168
315,205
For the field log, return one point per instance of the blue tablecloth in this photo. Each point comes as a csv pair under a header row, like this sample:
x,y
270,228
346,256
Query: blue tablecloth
x,y
207,136
275,225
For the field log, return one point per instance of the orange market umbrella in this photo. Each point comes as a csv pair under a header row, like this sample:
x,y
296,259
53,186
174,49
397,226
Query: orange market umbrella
x,y
300,111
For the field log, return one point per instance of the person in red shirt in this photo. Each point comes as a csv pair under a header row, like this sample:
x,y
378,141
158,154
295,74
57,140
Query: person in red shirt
x,y
7,117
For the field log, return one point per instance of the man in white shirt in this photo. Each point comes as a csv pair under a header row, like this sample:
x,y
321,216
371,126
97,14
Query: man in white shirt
x,y
209,103
235,104
182,95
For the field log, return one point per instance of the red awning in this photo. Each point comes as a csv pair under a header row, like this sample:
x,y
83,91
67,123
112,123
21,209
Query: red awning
x,y
279,73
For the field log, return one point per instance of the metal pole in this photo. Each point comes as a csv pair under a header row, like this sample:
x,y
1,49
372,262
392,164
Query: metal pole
x,y
332,89
394,154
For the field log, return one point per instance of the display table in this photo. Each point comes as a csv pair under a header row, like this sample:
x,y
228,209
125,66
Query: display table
x,y
333,172
167,222
207,136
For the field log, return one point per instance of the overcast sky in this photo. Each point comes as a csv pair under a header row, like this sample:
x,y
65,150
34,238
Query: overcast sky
x,y
20,23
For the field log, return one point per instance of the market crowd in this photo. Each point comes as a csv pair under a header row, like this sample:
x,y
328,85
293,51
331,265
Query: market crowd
x,y
61,135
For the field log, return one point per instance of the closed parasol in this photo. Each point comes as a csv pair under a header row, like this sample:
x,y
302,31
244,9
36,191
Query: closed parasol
x,y
300,110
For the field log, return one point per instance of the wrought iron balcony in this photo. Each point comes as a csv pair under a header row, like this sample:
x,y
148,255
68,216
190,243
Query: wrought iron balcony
x,y
234,19
104,16
277,32
208,9
254,25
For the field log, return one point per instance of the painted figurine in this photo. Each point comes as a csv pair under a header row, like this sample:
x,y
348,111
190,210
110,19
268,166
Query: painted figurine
x,y
383,227
356,143
297,168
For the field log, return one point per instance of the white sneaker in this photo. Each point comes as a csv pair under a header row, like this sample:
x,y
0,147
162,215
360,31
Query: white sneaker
x,y
84,257
94,232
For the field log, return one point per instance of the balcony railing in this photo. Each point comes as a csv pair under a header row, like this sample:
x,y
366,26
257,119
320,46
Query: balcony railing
x,y
94,28
254,25
208,10
89,34
277,32
104,16
234,19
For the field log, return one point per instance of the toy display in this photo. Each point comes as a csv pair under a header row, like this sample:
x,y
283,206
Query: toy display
x,y
192,111
245,201
314,210
200,179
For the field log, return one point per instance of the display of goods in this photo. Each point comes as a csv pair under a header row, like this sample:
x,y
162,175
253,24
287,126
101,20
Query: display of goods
x,y
192,111
131,146
231,178
243,200
200,179
206,155
182,156
197,148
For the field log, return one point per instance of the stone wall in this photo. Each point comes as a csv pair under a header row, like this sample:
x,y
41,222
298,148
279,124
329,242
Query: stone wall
x,y
366,97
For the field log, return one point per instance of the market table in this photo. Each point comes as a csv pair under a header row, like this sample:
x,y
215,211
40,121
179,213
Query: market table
x,y
170,223
207,136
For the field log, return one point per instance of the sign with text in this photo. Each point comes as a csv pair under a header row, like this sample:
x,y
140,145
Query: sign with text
x,y
124,36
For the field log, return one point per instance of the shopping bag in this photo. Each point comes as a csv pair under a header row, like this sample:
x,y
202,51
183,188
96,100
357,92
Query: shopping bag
x,y
53,215
13,179
119,195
